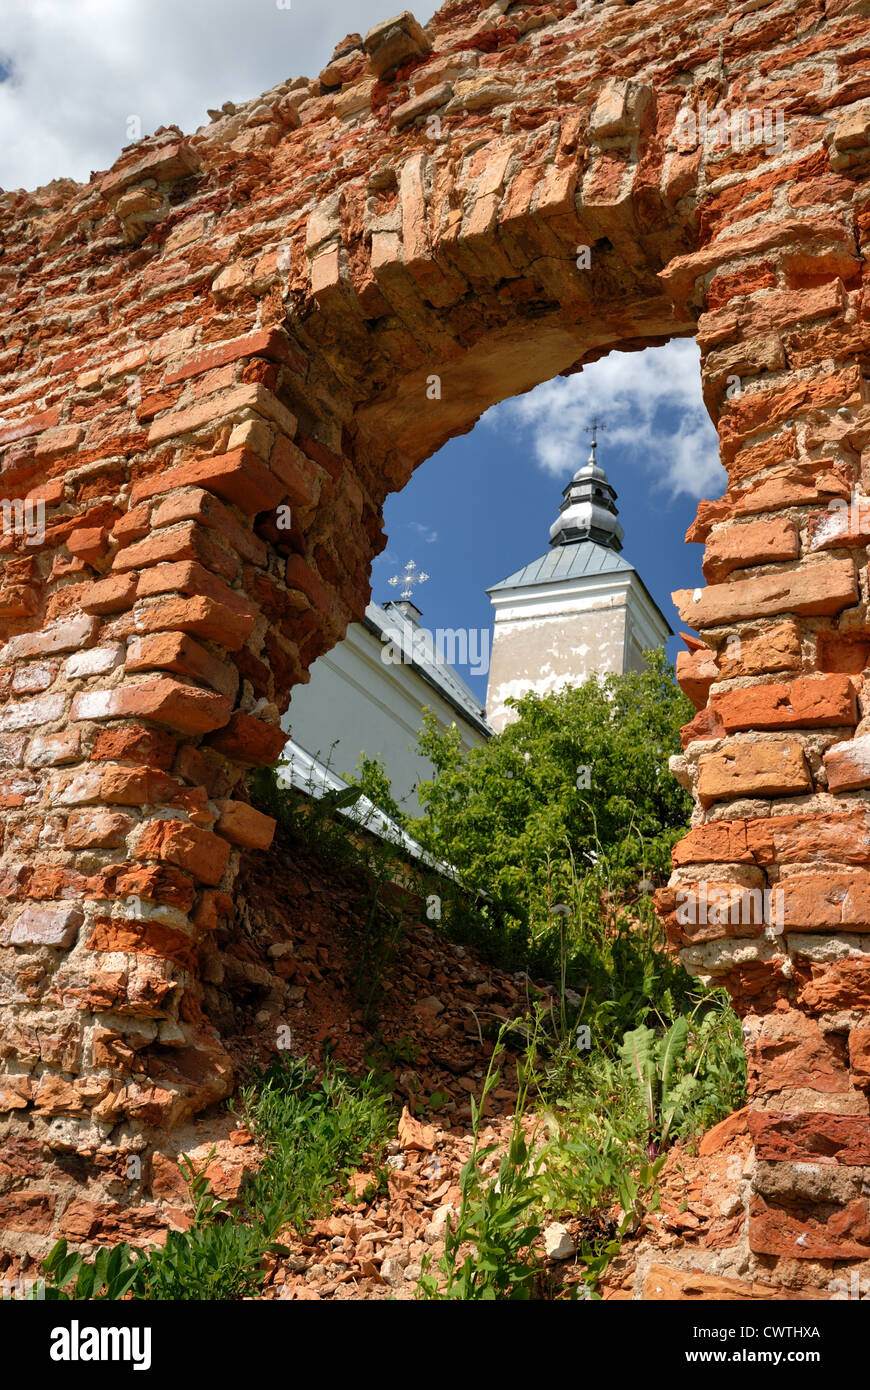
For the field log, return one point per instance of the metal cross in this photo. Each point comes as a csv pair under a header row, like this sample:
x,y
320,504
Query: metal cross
x,y
409,578
594,428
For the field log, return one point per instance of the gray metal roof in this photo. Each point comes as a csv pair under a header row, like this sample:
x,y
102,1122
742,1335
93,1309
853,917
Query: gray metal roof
x,y
570,561
574,560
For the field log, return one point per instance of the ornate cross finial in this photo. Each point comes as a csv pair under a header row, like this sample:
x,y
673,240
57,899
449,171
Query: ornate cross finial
x,y
594,428
409,578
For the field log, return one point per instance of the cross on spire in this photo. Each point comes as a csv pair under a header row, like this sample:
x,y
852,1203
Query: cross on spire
x,y
409,579
594,428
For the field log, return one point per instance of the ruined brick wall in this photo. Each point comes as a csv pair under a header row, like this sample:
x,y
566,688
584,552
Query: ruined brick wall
x,y
252,319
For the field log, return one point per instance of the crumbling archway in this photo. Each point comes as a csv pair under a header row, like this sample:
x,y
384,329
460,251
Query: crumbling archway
x,y
292,309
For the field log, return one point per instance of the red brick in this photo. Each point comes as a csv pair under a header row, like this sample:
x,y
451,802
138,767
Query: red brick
x,y
23,429
768,768
94,829
88,543
194,504
186,708
810,702
819,589
213,621
185,542
250,740
135,744
176,651
271,343
143,938
239,477
244,825
27,1211
740,545
189,577
696,672
198,852
300,575
116,594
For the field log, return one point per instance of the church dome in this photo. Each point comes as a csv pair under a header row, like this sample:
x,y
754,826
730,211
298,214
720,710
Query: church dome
x,y
588,511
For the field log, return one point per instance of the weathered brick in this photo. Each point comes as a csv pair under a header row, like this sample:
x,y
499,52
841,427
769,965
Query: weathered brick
x,y
239,477
113,595
760,768
825,588
64,636
29,714
271,343
810,702
195,504
848,765
249,740
52,924
244,825
749,543
185,542
176,651
96,829
198,852
185,708
202,616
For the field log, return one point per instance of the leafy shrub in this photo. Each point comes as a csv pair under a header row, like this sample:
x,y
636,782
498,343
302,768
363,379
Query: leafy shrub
x,y
512,815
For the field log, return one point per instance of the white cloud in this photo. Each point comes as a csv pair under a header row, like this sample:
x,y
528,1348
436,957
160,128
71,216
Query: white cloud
x,y
652,406
81,68
429,536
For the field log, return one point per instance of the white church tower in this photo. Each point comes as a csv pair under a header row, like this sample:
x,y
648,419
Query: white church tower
x,y
580,608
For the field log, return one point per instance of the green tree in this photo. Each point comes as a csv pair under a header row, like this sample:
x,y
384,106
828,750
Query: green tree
x,y
580,781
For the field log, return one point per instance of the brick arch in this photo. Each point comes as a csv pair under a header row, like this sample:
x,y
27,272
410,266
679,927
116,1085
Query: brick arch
x,y
228,325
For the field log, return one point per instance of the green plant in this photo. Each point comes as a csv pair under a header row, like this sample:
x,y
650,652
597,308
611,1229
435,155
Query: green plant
x,y
373,781
219,1257
584,769
315,1134
487,1254
68,1276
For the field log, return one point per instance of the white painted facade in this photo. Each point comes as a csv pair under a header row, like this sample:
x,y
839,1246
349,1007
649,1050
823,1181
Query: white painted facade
x,y
356,702
548,636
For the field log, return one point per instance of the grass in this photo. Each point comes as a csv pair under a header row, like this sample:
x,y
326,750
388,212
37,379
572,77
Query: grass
x,y
314,1134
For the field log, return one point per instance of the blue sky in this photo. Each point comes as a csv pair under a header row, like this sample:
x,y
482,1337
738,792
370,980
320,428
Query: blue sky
x,y
483,506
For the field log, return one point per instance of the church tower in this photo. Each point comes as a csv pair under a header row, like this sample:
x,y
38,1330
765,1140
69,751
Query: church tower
x,y
580,608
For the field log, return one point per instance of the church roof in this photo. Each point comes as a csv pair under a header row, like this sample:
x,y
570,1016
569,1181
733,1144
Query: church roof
x,y
567,561
575,560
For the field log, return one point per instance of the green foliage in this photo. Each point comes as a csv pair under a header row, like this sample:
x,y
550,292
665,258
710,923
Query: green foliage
x,y
68,1276
510,815
373,781
487,1254
218,1258
315,1135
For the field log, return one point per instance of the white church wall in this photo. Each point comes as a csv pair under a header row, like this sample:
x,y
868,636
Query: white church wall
x,y
549,636
360,703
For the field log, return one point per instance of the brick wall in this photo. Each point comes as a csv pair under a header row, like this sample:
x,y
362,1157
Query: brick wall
x,y
216,361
